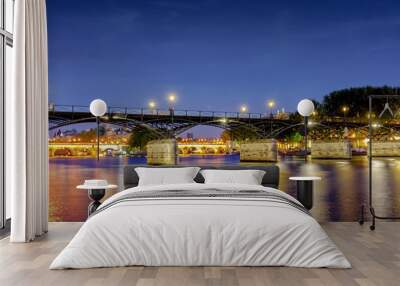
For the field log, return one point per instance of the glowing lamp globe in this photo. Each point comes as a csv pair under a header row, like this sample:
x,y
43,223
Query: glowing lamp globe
x,y
98,107
305,107
171,97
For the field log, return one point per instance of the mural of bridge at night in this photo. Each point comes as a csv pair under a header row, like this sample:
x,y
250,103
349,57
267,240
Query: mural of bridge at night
x,y
172,123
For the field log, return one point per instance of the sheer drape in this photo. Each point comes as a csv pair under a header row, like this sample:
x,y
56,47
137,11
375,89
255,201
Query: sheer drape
x,y
27,124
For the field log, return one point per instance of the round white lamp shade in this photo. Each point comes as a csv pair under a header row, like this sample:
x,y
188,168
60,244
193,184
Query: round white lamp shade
x,y
305,107
98,107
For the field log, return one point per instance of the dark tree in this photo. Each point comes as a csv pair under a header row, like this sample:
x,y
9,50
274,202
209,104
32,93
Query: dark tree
x,y
140,136
91,134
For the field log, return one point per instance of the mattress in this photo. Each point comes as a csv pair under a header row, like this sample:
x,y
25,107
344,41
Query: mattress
x,y
201,225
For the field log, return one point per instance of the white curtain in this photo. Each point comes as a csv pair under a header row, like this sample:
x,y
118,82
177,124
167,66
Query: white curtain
x,y
27,123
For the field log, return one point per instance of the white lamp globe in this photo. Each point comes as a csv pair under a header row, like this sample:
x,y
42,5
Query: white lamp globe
x,y
98,107
305,107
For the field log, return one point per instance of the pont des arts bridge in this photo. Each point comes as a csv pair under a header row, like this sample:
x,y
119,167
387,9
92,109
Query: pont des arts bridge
x,y
328,133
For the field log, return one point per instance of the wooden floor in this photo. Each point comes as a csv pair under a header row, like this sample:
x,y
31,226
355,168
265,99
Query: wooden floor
x,y
375,257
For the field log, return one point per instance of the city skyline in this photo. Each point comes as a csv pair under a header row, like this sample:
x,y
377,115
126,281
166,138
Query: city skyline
x,y
218,55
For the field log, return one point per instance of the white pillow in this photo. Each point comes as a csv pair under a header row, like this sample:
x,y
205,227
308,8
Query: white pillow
x,y
248,177
166,176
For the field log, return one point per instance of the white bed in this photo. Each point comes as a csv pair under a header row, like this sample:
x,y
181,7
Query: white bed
x,y
202,231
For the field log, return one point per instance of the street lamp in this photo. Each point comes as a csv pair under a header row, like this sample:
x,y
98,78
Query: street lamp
x,y
98,108
152,104
243,108
271,105
305,108
344,110
171,100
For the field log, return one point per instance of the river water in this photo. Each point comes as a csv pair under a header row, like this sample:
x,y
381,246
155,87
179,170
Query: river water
x,y
337,197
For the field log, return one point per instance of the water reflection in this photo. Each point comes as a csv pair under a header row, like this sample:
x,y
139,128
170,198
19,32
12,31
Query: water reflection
x,y
337,196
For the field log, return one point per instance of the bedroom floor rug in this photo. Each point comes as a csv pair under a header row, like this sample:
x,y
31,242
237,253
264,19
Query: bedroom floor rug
x,y
375,257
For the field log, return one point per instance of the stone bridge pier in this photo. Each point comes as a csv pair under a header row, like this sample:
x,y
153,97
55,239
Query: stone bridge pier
x,y
331,149
165,151
162,152
264,150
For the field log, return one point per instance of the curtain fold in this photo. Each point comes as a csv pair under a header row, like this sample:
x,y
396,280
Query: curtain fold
x,y
27,132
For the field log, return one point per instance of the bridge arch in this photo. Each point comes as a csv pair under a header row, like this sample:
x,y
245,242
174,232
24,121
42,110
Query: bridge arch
x,y
222,123
167,124
122,122
59,122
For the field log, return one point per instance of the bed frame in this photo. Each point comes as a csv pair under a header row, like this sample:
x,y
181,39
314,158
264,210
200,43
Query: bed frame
x,y
270,179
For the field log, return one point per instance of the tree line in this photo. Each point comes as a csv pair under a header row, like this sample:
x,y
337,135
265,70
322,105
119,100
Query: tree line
x,y
356,99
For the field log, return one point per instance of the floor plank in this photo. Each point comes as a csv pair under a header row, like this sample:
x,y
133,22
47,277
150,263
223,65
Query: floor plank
x,y
375,257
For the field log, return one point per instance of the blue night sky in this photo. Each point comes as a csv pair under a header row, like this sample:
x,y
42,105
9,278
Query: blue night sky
x,y
218,54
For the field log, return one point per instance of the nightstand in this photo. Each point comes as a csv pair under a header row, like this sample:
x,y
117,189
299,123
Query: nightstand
x,y
96,190
305,190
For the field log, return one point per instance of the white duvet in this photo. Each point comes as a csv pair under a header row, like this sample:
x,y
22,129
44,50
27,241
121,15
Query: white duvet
x,y
193,231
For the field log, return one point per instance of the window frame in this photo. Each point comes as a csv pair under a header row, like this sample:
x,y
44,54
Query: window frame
x,y
6,39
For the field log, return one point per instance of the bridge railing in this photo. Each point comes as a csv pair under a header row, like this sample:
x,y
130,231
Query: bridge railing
x,y
158,112
138,111
68,108
115,111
